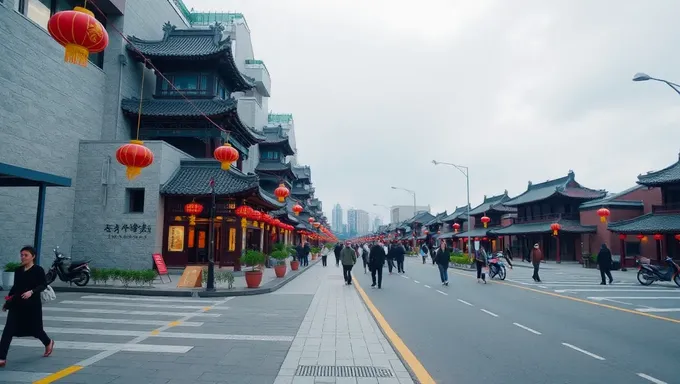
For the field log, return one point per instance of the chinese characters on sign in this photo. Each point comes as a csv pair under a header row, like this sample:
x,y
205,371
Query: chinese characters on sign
x,y
127,231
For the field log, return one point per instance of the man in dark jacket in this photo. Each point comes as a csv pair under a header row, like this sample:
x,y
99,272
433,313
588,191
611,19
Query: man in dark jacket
x,y
336,251
376,262
306,251
390,257
399,255
604,261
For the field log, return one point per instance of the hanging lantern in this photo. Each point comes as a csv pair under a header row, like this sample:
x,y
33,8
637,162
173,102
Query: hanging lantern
x,y
456,227
604,214
193,209
255,216
658,237
640,237
311,220
485,220
297,208
555,227
484,239
644,239
79,32
622,236
134,156
476,238
677,237
281,193
316,225
276,222
243,211
226,154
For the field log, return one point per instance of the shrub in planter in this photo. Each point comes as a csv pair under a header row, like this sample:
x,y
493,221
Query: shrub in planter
x,y
253,259
280,267
315,252
8,274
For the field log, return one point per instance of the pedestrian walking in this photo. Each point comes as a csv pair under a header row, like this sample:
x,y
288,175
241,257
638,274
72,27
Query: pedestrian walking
x,y
507,255
348,257
390,258
306,251
324,257
480,262
536,258
365,256
377,260
443,256
604,262
336,251
24,305
399,256
424,252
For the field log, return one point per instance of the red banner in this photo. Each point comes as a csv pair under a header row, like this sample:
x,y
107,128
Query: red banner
x,y
160,264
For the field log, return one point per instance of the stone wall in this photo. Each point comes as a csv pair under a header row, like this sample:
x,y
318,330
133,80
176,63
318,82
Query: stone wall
x,y
104,231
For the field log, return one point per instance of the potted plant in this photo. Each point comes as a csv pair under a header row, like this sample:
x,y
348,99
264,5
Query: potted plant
x,y
253,259
315,252
8,274
280,267
295,263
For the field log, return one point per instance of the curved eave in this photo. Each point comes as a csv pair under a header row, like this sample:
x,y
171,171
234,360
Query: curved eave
x,y
283,144
648,224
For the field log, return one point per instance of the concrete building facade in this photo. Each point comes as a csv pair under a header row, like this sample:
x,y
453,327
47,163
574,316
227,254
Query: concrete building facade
x,y
399,213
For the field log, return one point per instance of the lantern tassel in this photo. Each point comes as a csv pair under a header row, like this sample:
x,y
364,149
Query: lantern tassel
x,y
484,225
603,219
133,172
75,54
226,165
554,233
281,199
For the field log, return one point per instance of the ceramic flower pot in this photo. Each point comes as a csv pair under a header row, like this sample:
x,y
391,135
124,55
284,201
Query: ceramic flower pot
x,y
280,270
253,279
294,265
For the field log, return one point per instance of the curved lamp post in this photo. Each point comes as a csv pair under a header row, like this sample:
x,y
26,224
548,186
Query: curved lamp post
x,y
645,77
466,172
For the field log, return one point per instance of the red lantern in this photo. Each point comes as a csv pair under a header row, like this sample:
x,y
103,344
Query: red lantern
x,y
485,220
555,227
193,209
484,239
297,208
311,220
622,236
658,237
226,154
476,238
243,211
255,215
276,222
281,192
266,219
677,237
316,225
134,156
604,214
79,33
456,227
640,237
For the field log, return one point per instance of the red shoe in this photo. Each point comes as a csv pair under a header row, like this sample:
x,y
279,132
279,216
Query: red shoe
x,y
49,348
3,363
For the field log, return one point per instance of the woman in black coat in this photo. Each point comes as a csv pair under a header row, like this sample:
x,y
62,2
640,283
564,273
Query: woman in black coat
x,y
25,306
604,261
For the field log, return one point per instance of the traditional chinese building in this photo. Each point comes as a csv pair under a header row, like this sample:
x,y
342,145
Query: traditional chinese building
x,y
453,224
273,169
544,204
302,187
488,217
434,226
659,226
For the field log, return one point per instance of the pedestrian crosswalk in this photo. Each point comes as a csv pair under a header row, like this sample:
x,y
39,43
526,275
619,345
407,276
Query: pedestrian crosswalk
x,y
89,328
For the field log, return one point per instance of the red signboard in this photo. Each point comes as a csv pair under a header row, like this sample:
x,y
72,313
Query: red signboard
x,y
160,264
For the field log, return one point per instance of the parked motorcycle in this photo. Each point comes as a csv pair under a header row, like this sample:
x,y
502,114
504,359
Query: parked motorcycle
x,y
76,272
648,273
497,266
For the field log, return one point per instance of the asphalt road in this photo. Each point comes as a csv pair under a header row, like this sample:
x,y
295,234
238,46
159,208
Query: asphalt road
x,y
513,332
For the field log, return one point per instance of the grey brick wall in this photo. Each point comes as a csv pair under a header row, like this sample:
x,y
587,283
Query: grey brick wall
x,y
99,205
47,107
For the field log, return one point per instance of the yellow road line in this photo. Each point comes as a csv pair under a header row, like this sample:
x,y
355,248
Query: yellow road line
x,y
174,323
418,369
59,375
577,299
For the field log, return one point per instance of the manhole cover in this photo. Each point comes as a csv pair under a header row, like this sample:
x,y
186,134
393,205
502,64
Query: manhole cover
x,y
342,371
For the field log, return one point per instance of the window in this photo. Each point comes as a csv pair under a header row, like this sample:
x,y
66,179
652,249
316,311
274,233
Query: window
x,y
40,11
189,84
633,248
135,200
269,155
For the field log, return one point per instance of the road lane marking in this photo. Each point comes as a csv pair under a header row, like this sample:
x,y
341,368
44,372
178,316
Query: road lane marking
x,y
652,379
489,312
405,277
156,323
524,327
618,290
575,348
126,312
143,305
647,310
59,375
416,366
577,299
92,346
465,302
443,293
141,298
634,297
416,281
426,286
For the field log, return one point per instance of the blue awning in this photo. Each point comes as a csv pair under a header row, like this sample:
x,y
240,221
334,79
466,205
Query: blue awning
x,y
13,176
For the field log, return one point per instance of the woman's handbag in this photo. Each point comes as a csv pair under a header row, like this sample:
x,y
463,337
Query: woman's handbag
x,y
47,295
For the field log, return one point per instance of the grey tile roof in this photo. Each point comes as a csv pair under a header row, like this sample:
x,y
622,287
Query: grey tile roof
x,y
668,175
648,224
565,186
192,44
275,137
420,217
613,200
179,107
300,191
475,232
438,219
460,213
303,172
493,202
567,226
273,166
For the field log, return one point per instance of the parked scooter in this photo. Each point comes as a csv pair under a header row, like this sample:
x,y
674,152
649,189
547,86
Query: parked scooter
x,y
77,272
497,266
647,273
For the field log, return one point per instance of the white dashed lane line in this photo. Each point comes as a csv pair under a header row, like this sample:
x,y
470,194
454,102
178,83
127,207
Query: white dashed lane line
x,y
443,293
527,329
416,281
652,379
465,302
575,348
489,312
426,286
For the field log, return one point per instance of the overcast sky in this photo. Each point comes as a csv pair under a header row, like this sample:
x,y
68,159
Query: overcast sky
x,y
517,90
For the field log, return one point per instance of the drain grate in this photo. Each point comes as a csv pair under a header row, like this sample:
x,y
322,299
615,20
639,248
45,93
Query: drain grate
x,y
342,371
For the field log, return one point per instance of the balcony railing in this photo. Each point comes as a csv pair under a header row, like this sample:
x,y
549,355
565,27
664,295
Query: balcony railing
x,y
547,217
666,208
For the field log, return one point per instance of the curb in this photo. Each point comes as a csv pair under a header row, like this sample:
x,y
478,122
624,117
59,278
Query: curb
x,y
269,287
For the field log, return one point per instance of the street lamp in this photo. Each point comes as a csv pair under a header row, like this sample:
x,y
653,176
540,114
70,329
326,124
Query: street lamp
x,y
414,208
466,172
645,77
210,283
386,207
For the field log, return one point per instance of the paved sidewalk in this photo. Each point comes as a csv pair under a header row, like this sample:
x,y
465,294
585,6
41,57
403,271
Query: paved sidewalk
x,y
338,341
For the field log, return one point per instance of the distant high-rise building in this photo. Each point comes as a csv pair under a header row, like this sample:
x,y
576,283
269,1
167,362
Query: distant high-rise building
x,y
352,222
363,222
336,219
400,213
377,222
